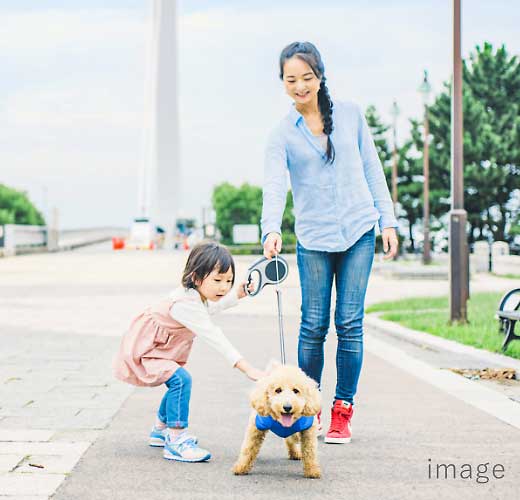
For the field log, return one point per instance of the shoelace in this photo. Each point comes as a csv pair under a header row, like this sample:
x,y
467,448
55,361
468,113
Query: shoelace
x,y
188,443
339,420
185,441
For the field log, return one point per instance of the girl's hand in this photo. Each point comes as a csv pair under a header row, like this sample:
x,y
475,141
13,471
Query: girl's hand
x,y
390,242
249,371
272,245
241,289
255,374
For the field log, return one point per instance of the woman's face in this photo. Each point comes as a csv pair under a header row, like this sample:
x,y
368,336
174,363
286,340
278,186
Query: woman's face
x,y
301,84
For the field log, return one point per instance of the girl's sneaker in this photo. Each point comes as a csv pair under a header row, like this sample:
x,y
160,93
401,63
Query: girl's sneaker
x,y
184,448
320,426
157,437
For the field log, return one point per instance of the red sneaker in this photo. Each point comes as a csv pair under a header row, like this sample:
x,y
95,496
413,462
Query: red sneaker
x,y
340,429
320,427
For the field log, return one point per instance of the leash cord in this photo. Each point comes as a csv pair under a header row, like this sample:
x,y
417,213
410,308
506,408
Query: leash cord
x,y
280,319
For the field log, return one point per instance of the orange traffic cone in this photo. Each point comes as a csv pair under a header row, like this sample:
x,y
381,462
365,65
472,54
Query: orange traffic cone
x,y
118,243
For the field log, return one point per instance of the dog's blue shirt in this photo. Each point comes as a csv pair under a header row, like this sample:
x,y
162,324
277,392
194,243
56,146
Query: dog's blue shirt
x,y
270,424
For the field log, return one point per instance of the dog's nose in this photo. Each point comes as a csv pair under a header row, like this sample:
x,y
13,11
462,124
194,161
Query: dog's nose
x,y
287,407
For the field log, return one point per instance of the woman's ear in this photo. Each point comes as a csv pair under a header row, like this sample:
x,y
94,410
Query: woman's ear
x,y
260,398
312,399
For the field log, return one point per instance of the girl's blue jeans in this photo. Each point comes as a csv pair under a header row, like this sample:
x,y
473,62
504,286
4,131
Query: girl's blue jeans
x,y
175,404
351,270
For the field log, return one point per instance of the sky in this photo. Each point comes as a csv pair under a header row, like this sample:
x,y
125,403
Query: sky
x,y
72,86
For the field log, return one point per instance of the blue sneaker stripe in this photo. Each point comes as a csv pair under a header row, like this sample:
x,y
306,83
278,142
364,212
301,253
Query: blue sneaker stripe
x,y
157,435
157,438
178,458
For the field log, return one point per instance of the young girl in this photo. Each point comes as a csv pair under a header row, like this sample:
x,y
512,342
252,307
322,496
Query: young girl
x,y
157,346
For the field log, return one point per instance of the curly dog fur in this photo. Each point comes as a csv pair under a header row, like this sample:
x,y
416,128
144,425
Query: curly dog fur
x,y
285,387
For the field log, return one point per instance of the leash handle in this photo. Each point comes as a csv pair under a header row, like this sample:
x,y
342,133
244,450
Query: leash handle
x,y
257,290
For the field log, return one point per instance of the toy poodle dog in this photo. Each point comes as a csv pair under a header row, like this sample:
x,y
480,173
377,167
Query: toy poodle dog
x,y
285,402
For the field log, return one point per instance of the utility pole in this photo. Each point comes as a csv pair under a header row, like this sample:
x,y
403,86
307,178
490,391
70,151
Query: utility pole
x,y
459,258
394,113
425,90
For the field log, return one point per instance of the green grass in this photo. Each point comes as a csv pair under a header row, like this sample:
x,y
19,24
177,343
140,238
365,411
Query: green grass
x,y
431,315
508,276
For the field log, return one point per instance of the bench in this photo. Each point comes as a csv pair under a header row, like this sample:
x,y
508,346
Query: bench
x,y
508,314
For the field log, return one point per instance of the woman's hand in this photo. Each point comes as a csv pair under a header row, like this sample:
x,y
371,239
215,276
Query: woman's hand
x,y
390,242
272,245
241,289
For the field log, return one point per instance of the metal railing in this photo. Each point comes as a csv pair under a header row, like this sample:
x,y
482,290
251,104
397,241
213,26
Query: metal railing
x,y
16,239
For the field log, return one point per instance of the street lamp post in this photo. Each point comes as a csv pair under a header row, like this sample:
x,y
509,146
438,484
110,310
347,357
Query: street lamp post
x,y
394,112
425,89
459,262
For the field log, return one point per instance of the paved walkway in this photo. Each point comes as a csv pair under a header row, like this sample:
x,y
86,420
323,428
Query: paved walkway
x,y
61,316
400,423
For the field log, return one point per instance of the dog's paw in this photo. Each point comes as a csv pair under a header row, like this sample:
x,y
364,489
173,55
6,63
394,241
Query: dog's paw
x,y
295,455
240,469
313,472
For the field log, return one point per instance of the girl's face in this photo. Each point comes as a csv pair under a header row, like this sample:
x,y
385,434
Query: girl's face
x,y
215,285
301,84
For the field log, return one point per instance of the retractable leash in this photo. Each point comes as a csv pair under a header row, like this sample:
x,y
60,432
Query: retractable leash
x,y
270,272
280,318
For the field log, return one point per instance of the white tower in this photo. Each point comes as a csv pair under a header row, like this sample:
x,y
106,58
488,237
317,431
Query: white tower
x,y
159,188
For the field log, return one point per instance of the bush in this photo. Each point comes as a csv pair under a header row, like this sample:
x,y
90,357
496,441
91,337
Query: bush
x,y
16,208
257,249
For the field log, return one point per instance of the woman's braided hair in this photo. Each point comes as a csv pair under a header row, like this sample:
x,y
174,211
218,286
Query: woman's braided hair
x,y
308,53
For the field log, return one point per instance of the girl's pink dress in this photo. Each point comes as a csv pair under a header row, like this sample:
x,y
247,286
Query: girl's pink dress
x,y
153,348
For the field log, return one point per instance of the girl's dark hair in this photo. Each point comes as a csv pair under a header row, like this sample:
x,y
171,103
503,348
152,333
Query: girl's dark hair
x,y
203,259
307,52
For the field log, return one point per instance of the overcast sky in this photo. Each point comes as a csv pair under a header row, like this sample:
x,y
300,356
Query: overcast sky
x,y
72,86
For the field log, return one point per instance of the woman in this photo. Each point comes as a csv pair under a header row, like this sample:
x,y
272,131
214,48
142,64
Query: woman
x,y
340,193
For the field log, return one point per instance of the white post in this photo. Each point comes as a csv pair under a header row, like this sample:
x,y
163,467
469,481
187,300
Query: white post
x,y
53,231
9,240
164,131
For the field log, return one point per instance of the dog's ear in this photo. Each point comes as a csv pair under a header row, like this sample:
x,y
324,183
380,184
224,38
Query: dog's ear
x,y
312,399
259,398
272,365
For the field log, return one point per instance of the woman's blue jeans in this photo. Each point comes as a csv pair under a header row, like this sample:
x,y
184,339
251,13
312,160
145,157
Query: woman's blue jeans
x,y
175,404
351,270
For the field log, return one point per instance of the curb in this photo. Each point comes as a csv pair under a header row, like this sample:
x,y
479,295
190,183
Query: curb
x,y
483,398
418,337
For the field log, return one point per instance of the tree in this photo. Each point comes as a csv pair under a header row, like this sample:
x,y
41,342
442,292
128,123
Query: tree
x,y
236,206
410,187
16,208
243,205
289,238
491,104
379,131
409,171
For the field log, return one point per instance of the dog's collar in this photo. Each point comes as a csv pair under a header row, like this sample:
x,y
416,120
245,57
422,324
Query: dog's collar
x,y
270,424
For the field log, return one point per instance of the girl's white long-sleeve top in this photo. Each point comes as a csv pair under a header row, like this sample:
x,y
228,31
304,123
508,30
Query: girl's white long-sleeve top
x,y
195,315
